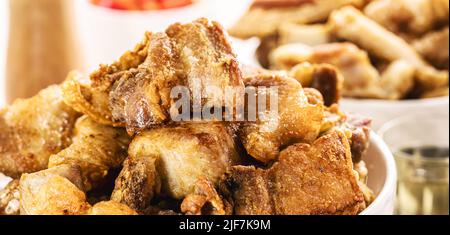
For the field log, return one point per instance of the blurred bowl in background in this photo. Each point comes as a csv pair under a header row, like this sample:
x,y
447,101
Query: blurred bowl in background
x,y
383,111
106,33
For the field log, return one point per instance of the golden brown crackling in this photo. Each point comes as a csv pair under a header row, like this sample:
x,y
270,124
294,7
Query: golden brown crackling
x,y
137,183
135,91
297,119
168,161
307,179
111,208
59,191
93,99
10,199
87,100
53,191
33,129
96,149
204,200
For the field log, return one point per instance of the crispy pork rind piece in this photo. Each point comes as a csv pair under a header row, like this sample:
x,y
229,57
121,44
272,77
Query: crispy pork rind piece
x,y
298,119
307,179
97,149
33,129
91,96
265,17
111,208
136,91
60,191
137,183
10,199
266,45
168,161
87,100
55,191
204,201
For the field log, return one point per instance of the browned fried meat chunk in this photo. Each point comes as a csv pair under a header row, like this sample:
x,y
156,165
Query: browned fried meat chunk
x,y
137,88
307,179
33,129
298,118
204,201
10,199
97,149
58,191
169,161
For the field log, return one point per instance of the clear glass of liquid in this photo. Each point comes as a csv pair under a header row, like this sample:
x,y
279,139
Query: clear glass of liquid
x,y
420,146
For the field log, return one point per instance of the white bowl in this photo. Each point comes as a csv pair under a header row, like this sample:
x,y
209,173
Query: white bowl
x,y
105,33
383,111
382,177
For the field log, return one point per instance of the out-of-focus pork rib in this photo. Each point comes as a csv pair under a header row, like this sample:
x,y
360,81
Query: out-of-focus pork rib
x,y
350,24
265,17
434,48
410,17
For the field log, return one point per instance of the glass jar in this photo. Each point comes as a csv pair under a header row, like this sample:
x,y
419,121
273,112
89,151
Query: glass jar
x,y
420,146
